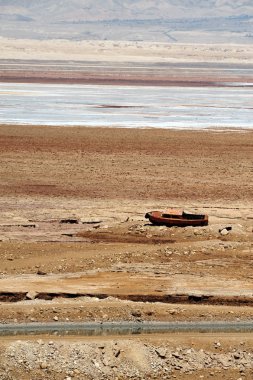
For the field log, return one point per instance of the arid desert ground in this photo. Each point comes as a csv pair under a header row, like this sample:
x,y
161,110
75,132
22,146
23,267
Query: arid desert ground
x,y
75,247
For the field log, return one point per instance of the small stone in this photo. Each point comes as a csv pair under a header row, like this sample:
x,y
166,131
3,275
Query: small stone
x,y
225,231
96,364
136,313
43,365
91,221
161,352
55,318
41,272
69,221
31,295
117,352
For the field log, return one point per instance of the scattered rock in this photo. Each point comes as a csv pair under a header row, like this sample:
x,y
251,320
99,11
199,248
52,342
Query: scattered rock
x,y
136,314
91,221
69,221
117,352
96,360
41,272
173,311
176,355
43,365
161,352
225,231
96,364
31,295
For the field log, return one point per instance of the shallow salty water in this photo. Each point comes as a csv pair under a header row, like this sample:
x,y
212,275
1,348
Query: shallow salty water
x,y
126,106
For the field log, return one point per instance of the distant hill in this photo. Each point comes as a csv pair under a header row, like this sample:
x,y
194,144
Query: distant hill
x,y
157,20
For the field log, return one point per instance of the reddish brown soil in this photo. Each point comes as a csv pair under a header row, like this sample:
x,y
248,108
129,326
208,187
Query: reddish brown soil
x,y
107,179
126,164
189,80
114,176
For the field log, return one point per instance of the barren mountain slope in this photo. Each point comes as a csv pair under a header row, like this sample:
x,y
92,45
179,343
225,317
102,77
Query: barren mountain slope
x,y
159,20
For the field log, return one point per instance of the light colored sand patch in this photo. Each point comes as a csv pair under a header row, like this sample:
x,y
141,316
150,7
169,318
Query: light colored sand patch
x,y
123,51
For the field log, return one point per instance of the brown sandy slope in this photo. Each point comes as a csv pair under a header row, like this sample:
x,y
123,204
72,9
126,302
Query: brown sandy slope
x,y
126,164
112,261
106,179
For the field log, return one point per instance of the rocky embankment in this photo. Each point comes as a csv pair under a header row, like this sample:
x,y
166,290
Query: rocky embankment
x,y
123,359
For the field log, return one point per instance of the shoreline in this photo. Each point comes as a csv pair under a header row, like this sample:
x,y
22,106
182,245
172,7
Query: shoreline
x,y
127,107
222,83
117,78
120,127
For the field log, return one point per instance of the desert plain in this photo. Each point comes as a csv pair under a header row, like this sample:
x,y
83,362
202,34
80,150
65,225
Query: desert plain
x,y
76,247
